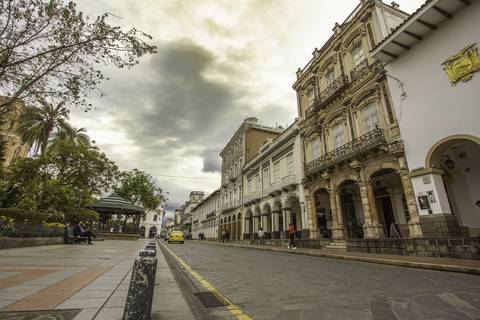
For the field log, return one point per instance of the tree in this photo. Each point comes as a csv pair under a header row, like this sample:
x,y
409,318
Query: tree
x,y
49,48
139,188
77,135
37,123
66,177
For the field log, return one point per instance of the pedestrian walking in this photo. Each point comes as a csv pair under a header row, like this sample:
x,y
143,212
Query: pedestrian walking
x,y
291,234
261,236
224,235
227,235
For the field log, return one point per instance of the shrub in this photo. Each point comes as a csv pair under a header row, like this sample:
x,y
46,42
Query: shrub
x,y
85,215
54,225
21,215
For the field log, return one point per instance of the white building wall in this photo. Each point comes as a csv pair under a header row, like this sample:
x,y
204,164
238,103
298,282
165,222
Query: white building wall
x,y
434,109
430,95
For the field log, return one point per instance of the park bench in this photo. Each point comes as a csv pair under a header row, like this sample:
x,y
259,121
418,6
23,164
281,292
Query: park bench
x,y
71,237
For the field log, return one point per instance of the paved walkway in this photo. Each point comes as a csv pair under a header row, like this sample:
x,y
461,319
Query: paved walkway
x,y
92,281
441,264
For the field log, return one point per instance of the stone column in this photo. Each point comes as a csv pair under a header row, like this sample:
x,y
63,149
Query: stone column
x,y
414,222
312,217
284,215
337,221
372,228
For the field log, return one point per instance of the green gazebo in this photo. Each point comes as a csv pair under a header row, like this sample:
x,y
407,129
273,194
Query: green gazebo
x,y
116,205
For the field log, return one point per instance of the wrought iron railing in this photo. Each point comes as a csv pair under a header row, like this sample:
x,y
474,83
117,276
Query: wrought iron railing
x,y
358,145
359,69
332,88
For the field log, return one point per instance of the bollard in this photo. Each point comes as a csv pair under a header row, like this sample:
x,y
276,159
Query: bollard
x,y
148,253
140,291
151,247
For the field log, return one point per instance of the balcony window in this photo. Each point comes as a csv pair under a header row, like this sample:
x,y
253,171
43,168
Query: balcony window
x,y
338,136
358,54
276,171
370,117
315,148
290,166
310,96
330,77
266,177
257,182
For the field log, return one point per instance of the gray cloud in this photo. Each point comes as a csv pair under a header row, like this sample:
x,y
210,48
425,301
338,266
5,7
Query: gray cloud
x,y
211,161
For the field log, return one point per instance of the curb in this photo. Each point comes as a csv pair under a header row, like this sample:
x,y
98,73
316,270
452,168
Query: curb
x,y
392,262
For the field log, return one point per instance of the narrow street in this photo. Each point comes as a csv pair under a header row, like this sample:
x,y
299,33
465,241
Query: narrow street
x,y
269,285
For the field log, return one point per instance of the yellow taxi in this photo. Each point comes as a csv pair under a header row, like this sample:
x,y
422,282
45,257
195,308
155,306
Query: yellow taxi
x,y
176,236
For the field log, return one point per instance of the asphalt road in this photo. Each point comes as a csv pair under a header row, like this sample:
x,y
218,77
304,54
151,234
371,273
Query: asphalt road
x,y
271,285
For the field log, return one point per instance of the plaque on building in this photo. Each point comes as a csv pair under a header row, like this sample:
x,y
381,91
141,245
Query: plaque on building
x,y
460,67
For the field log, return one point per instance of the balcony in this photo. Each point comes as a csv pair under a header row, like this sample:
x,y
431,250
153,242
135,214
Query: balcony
x,y
251,196
210,215
281,183
356,147
329,92
359,69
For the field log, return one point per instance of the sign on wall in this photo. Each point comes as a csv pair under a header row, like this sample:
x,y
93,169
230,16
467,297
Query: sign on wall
x,y
460,67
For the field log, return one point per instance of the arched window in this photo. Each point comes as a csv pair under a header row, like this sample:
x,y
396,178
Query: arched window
x,y
338,137
315,148
155,218
370,117
358,54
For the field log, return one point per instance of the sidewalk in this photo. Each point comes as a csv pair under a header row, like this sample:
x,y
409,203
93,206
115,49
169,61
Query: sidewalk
x,y
168,301
440,264
80,282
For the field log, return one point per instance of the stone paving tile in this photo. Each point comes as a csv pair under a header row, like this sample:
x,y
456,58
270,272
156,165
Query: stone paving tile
x,y
90,294
87,314
110,314
4,274
69,282
116,302
4,303
100,287
23,277
120,294
82,303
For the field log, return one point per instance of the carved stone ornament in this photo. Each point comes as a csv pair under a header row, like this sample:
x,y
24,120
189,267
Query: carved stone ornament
x,y
460,67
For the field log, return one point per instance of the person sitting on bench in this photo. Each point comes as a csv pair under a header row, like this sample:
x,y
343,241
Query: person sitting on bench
x,y
81,231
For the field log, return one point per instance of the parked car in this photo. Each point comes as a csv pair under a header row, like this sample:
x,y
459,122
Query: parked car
x,y
176,236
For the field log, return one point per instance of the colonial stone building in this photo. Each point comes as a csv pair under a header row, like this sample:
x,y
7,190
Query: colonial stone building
x,y
433,65
15,148
205,216
240,149
184,215
356,177
151,224
273,195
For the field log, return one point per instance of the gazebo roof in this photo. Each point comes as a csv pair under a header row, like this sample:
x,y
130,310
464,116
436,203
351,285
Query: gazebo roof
x,y
115,204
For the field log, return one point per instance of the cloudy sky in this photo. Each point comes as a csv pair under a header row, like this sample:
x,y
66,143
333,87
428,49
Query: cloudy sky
x,y
218,62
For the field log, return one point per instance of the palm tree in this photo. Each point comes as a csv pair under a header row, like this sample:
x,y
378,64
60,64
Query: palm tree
x,y
38,122
77,135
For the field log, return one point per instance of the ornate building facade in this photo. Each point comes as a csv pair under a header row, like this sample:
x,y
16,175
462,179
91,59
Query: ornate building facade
x,y
356,177
184,217
205,216
240,149
14,147
151,224
273,195
433,65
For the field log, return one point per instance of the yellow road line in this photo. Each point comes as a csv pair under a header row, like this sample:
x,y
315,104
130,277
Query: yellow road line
x,y
235,310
